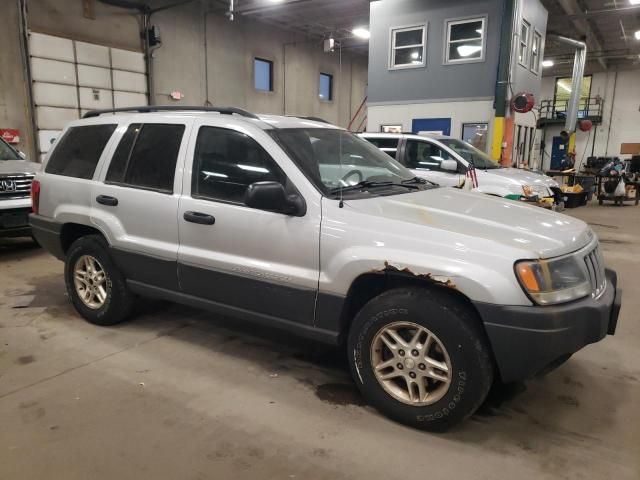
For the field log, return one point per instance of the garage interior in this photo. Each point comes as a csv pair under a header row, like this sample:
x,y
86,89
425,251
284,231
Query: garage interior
x,y
183,393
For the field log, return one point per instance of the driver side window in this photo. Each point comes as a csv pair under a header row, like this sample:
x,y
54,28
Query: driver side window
x,y
423,155
226,162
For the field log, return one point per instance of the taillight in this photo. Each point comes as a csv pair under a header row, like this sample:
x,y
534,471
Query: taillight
x,y
35,196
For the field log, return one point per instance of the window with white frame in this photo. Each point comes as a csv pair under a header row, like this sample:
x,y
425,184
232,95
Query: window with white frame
x,y
536,45
465,40
408,47
523,46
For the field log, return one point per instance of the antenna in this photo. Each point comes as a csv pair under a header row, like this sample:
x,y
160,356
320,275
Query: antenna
x,y
341,204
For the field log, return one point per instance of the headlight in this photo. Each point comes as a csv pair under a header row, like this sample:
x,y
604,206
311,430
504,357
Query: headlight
x,y
553,281
533,190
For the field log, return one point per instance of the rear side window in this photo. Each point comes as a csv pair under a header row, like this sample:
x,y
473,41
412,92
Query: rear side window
x,y
425,155
78,152
226,162
146,157
387,145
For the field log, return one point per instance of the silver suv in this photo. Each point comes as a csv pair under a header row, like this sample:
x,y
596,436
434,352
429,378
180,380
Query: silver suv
x,y
301,225
16,175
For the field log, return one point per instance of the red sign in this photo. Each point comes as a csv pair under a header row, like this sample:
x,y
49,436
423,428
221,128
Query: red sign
x,y
10,135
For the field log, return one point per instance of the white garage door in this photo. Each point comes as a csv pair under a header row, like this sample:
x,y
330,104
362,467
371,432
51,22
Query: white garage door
x,y
72,77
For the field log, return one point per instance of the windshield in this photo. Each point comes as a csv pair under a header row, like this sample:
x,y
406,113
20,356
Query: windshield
x,y
471,154
7,152
336,160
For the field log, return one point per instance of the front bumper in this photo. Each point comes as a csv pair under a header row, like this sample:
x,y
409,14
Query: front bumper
x,y
14,222
525,340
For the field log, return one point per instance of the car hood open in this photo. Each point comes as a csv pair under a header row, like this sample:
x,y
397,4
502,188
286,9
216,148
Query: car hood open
x,y
541,232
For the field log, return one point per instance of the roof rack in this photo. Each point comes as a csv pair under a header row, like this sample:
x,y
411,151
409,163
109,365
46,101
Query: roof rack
x,y
172,108
314,119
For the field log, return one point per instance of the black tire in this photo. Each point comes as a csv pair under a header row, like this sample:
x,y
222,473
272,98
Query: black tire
x,y
119,300
456,327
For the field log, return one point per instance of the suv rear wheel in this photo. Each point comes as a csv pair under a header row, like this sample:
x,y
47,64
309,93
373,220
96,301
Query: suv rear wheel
x,y
95,286
419,357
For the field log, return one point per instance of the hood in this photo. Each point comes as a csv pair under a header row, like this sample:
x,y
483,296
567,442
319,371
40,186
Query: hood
x,y
18,166
524,177
539,232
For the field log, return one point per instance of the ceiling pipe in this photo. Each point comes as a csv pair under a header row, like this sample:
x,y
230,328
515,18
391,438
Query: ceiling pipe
x,y
606,11
579,61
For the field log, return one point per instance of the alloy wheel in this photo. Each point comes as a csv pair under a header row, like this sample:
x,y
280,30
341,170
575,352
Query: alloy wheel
x,y
90,281
411,363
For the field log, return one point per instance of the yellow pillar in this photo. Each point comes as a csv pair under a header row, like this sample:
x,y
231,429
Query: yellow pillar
x,y
498,133
572,143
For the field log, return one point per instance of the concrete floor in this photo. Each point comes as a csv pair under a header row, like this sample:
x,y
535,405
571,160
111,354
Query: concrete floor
x,y
177,394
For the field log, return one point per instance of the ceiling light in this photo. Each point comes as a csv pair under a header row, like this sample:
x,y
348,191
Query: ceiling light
x,y
637,34
415,55
361,32
634,2
468,50
548,63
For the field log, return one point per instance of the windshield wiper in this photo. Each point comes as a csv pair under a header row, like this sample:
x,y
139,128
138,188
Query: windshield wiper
x,y
361,185
419,180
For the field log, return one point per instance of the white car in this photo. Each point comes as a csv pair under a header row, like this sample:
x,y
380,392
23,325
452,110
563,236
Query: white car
x,y
300,225
16,175
445,160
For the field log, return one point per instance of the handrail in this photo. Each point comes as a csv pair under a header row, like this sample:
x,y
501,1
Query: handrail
x,y
364,121
557,109
357,112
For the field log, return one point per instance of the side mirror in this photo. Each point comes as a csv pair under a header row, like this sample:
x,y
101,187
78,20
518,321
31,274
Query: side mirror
x,y
272,196
449,165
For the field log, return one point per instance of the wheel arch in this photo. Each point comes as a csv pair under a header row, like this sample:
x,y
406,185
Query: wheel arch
x,y
369,285
70,232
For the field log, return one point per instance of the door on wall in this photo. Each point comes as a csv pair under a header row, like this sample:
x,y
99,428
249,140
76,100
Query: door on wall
x,y
71,77
438,126
558,152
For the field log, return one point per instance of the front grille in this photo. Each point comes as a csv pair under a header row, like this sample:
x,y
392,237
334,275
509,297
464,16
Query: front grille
x,y
15,186
595,267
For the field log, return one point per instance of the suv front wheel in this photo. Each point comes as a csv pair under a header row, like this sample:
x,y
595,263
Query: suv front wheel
x,y
95,286
418,356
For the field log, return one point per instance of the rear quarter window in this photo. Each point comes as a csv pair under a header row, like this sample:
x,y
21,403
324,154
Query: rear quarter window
x,y
146,157
387,145
78,151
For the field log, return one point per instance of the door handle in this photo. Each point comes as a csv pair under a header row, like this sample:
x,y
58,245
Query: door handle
x,y
107,200
201,218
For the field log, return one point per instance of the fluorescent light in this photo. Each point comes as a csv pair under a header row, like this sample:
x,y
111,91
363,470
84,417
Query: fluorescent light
x,y
634,2
361,32
549,63
467,50
415,55
637,34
